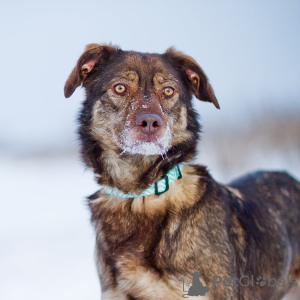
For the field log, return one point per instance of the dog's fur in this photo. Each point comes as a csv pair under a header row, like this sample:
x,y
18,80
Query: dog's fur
x,y
146,244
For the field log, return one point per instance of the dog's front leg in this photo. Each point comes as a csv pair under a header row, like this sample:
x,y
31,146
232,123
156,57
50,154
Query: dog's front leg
x,y
113,294
143,282
109,287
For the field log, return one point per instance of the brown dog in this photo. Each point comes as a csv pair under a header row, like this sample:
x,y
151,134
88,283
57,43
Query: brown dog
x,y
159,223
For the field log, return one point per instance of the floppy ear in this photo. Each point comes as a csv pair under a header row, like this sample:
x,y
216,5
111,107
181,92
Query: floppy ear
x,y
93,55
197,79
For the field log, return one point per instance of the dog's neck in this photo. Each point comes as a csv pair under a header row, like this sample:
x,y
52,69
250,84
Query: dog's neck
x,y
125,171
132,173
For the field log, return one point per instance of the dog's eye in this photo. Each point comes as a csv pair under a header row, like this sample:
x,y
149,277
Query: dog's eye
x,y
120,88
168,91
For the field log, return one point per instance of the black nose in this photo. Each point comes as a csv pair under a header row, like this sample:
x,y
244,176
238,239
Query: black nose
x,y
149,123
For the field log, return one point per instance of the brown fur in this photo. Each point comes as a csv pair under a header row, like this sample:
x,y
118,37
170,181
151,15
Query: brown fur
x,y
146,246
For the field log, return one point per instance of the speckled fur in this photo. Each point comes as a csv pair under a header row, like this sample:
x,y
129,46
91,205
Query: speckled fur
x,y
145,246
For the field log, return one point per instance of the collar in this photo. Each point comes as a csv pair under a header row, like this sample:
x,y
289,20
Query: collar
x,y
156,188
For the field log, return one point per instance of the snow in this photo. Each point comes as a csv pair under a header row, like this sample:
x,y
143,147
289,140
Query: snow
x,y
47,242
159,147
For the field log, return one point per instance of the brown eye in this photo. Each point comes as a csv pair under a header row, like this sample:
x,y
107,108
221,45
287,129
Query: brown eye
x,y
120,88
168,91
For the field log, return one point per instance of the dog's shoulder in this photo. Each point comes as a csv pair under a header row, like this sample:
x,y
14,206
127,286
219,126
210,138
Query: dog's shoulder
x,y
195,184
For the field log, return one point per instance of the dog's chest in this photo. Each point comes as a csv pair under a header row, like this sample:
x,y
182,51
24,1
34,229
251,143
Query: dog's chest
x,y
140,227
126,233
143,252
142,239
133,248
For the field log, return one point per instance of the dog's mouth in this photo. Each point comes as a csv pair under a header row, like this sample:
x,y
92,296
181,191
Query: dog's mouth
x,y
135,142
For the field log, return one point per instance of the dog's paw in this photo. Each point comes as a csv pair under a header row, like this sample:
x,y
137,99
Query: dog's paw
x,y
260,281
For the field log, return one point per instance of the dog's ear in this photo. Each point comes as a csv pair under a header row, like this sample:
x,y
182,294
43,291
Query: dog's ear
x,y
93,55
196,77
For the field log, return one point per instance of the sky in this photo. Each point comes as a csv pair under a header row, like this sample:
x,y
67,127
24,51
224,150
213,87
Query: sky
x,y
249,50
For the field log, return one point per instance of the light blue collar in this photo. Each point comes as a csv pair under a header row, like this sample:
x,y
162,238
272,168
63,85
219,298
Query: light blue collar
x,y
156,188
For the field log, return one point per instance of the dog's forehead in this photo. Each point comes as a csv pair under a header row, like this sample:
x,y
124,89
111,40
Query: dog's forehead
x,y
146,66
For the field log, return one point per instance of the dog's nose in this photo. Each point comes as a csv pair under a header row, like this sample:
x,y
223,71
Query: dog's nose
x,y
149,123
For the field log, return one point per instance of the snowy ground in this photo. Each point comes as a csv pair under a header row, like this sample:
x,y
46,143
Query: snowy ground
x,y
47,242
45,234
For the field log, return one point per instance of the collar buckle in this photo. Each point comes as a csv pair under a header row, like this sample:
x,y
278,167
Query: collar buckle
x,y
166,178
179,173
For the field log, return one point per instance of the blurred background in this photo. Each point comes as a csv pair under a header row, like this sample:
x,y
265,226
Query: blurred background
x,y
249,50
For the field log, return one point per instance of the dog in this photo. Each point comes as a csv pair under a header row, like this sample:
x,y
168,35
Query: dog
x,y
158,221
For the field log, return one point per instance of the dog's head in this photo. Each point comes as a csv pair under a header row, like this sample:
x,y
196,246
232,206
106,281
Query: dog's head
x,y
139,102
